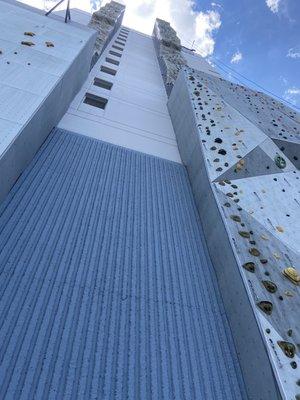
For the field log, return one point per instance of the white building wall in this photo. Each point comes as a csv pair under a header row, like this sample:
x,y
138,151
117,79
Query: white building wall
x,y
136,114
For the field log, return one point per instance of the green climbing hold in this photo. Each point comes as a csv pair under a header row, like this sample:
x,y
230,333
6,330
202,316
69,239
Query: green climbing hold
x,y
244,234
280,161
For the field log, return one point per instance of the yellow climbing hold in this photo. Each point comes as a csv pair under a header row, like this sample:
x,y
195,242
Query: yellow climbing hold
x,y
280,229
264,237
292,274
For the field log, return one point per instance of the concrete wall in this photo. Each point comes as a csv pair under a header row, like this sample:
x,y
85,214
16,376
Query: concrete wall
x,y
37,82
194,60
253,356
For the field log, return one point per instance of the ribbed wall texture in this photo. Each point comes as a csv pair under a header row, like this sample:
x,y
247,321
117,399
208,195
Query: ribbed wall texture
x,y
106,288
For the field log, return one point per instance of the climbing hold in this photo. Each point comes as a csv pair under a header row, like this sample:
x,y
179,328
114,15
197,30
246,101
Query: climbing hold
x,y
235,218
29,34
244,234
289,293
264,237
25,43
49,44
280,161
292,274
266,307
280,229
254,252
249,266
222,151
294,366
288,348
264,261
270,286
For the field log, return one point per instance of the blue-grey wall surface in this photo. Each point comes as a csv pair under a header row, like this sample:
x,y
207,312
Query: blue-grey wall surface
x,y
107,290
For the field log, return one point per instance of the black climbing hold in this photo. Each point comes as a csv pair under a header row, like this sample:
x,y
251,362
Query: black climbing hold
x,y
266,307
270,286
288,348
249,266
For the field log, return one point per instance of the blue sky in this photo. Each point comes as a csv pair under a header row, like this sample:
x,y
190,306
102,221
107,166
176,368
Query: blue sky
x,y
265,40
259,39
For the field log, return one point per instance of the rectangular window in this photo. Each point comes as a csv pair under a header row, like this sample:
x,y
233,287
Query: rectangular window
x,y
122,35
117,47
118,42
121,39
107,70
114,53
95,101
103,83
112,61
125,30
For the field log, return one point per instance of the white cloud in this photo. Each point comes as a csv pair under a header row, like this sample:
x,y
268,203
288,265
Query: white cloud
x,y
293,91
216,5
236,58
293,53
193,27
292,94
206,24
273,5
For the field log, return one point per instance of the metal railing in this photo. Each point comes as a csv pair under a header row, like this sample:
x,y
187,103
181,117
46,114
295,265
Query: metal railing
x,y
68,13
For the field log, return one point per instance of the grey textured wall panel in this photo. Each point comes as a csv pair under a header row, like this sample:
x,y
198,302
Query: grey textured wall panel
x,y
256,368
45,83
106,288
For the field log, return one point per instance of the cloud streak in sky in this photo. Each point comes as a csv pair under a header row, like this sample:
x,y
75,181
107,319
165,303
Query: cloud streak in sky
x,y
273,5
236,58
293,53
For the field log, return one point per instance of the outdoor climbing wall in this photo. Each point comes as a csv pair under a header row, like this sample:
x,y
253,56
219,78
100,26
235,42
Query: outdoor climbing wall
x,y
168,51
106,21
273,118
43,63
241,149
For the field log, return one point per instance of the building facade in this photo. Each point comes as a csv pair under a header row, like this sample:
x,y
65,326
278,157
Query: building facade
x,y
149,234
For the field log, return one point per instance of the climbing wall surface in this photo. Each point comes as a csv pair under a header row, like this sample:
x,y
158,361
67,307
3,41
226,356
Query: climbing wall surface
x,y
243,137
106,21
43,64
168,50
106,288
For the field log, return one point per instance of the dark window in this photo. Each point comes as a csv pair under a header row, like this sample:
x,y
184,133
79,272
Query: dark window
x,y
107,70
118,42
114,53
125,30
121,39
112,61
123,36
117,47
95,101
103,83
